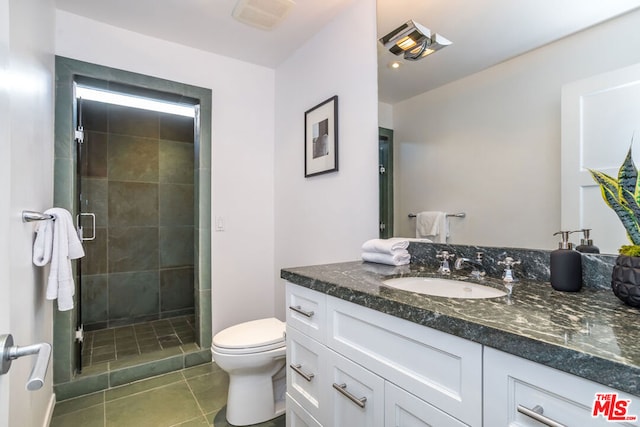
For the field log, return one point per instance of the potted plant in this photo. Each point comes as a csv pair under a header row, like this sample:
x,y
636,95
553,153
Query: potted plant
x,y
623,196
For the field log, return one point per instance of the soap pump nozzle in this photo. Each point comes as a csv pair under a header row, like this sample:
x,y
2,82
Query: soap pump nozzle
x,y
564,243
586,244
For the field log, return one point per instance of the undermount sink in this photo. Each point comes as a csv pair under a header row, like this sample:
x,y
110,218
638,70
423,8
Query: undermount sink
x,y
439,287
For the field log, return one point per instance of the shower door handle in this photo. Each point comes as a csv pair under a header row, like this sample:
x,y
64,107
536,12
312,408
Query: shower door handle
x,y
93,225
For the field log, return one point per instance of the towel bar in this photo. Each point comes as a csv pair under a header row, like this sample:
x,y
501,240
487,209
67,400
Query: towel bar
x,y
30,216
457,215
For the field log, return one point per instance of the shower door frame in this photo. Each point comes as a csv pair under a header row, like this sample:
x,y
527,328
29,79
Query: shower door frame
x,y
67,71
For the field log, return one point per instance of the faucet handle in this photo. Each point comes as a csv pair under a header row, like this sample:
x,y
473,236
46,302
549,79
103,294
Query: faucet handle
x,y
445,256
507,275
509,262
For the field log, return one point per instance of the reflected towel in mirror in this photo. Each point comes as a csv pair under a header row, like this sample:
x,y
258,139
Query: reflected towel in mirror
x,y
432,225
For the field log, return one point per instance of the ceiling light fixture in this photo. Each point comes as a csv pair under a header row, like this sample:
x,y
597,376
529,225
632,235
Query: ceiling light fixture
x,y
116,98
414,40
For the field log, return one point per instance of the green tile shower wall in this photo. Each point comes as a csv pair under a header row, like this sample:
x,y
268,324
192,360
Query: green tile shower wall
x,y
70,70
138,172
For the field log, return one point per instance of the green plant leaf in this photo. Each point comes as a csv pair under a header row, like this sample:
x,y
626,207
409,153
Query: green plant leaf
x,y
611,194
628,176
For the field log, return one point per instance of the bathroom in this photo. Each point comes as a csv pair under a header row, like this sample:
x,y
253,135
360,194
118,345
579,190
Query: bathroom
x,y
271,216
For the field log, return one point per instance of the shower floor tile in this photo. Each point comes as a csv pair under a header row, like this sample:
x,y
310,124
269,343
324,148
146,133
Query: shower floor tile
x,y
106,345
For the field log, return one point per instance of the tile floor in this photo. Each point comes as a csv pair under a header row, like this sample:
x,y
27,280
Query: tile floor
x,y
191,397
105,345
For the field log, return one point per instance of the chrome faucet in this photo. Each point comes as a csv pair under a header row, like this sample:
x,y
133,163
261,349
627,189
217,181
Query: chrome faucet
x,y
445,256
478,271
508,275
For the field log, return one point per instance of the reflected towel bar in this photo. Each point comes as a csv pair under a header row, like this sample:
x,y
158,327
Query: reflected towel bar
x,y
30,216
457,215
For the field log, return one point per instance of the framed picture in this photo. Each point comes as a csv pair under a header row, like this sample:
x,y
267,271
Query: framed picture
x,y
321,138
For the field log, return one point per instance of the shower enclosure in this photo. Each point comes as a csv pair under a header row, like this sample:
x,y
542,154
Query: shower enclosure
x,y
138,182
135,203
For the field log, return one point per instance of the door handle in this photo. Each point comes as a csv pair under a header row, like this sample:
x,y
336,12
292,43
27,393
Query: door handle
x,y
10,352
93,225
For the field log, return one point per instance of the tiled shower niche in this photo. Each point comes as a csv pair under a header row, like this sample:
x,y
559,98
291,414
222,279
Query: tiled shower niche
x,y
137,174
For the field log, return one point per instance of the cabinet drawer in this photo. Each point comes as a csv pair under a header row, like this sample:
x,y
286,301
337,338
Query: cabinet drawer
x,y
306,311
510,381
305,371
355,395
439,368
297,416
403,409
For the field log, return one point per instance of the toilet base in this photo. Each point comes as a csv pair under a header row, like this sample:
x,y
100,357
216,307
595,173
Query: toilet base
x,y
264,402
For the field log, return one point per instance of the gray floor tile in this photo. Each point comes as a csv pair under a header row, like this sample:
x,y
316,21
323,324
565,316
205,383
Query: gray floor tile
x,y
165,406
88,417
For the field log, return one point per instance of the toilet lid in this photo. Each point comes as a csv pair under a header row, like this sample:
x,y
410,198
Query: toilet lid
x,y
256,333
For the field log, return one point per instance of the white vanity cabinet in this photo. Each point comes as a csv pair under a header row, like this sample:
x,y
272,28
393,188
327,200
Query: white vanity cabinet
x,y
518,391
352,366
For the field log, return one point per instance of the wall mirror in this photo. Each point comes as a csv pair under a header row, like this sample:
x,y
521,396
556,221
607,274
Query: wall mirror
x,y
477,125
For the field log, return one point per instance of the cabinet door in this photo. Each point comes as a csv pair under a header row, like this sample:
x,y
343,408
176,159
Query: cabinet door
x,y
306,311
297,416
402,409
356,395
513,386
305,378
439,368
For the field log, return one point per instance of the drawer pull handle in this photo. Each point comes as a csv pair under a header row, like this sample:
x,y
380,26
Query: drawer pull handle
x,y
299,309
536,414
299,371
342,388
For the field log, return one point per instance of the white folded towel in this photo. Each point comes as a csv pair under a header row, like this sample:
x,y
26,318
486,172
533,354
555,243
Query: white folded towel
x,y
399,258
385,246
432,225
57,242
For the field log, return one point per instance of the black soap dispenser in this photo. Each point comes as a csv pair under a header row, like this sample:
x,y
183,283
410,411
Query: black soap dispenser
x,y
566,266
586,244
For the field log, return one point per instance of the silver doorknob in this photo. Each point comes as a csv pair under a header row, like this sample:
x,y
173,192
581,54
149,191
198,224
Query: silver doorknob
x,y
10,352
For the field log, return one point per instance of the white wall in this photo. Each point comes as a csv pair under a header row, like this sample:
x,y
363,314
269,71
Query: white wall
x,y
385,115
489,144
242,146
326,218
26,108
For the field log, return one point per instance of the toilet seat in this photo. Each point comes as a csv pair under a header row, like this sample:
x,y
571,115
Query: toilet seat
x,y
255,336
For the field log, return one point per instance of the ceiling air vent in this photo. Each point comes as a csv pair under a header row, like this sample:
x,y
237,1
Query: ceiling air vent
x,y
263,14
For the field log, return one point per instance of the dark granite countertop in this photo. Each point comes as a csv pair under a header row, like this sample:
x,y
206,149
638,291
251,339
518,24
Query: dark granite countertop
x,y
590,333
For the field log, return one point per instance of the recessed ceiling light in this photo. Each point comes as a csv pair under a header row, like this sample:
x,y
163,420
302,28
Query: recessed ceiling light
x,y
394,65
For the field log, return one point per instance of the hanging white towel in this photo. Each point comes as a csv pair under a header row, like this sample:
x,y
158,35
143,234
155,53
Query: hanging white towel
x,y
385,246
432,225
380,258
57,242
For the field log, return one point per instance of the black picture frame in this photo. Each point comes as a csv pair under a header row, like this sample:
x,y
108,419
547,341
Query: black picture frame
x,y
321,138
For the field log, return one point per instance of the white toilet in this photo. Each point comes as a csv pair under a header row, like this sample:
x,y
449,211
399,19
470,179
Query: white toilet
x,y
253,354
